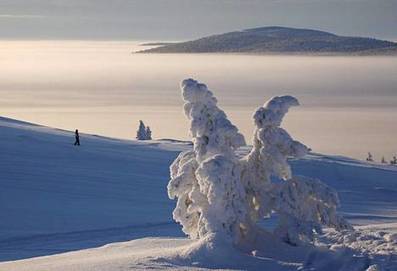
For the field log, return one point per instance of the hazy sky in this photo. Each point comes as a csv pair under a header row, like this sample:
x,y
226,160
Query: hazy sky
x,y
177,19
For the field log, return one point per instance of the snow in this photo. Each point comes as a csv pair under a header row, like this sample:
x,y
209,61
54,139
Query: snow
x,y
56,197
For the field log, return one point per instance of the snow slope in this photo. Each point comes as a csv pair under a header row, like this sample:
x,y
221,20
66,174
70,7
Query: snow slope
x,y
103,191
55,197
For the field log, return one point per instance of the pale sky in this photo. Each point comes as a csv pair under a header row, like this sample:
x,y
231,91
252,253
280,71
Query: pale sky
x,y
184,19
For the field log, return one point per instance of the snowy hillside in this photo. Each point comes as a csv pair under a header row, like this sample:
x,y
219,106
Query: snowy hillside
x,y
53,193
56,197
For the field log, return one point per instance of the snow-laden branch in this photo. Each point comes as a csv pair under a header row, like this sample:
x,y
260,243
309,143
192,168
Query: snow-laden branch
x,y
272,144
210,128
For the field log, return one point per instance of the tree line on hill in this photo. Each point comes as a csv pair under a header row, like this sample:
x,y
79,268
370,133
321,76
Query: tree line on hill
x,y
370,158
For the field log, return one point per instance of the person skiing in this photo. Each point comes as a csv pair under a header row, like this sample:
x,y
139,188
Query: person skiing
x,y
77,136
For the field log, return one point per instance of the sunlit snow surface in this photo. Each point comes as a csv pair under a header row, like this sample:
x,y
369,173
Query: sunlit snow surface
x,y
55,197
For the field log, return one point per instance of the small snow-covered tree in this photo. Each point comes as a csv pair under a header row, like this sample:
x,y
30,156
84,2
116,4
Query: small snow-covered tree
x,y
221,195
148,133
383,161
141,133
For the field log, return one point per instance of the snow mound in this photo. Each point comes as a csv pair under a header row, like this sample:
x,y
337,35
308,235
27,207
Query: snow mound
x,y
210,254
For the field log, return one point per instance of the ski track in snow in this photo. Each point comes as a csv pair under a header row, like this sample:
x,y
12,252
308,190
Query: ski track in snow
x,y
56,197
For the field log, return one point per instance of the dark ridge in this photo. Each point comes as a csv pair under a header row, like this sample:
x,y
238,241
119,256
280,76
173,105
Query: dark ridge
x,y
281,40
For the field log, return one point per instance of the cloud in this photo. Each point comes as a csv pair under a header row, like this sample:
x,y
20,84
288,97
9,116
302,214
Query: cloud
x,y
20,16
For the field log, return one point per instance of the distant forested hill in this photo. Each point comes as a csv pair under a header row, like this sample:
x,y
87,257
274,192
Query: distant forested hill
x,y
276,40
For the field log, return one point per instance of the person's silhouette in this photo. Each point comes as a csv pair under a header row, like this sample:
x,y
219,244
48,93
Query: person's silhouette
x,y
77,136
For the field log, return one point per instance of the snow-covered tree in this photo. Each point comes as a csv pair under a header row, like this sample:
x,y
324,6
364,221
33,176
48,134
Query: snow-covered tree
x,y
383,160
148,133
302,204
142,133
223,196
206,180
